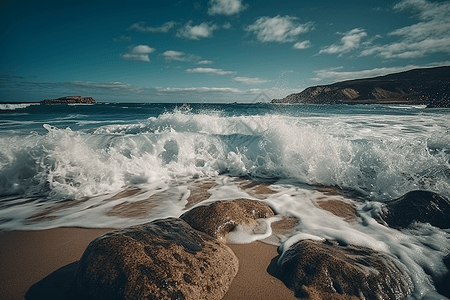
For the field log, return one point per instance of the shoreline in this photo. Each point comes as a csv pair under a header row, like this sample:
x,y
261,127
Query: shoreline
x,y
39,265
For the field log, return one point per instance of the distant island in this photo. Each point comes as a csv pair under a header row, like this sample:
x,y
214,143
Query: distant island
x,y
69,100
428,86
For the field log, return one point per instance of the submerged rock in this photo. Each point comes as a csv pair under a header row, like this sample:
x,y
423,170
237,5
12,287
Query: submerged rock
x,y
219,218
163,259
417,206
326,270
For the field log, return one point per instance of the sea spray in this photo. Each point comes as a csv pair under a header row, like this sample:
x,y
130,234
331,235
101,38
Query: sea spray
x,y
379,157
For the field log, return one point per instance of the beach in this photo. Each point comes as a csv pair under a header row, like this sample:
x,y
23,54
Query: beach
x,y
40,265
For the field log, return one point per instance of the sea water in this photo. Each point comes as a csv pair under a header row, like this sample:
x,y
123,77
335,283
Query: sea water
x,y
121,164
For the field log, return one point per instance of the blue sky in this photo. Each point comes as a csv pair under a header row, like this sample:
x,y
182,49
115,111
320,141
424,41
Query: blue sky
x,y
211,50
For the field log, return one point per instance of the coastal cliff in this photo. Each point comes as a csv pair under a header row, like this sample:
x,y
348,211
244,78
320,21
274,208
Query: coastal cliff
x,y
69,99
429,86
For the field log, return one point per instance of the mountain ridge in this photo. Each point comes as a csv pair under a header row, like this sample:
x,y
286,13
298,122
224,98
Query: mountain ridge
x,y
429,86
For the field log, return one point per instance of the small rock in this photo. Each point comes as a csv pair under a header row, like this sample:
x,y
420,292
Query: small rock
x,y
163,259
219,218
327,270
417,206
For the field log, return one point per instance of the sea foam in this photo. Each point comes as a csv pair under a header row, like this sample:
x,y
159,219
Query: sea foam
x,y
380,158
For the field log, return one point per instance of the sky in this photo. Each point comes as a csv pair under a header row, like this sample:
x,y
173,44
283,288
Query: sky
x,y
220,51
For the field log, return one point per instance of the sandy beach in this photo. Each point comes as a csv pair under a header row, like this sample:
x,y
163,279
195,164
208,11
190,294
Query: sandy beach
x,y
30,258
39,265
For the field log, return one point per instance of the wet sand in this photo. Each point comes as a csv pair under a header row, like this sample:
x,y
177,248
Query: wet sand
x,y
40,264
31,257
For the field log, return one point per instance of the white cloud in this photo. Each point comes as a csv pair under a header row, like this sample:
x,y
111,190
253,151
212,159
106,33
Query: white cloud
x,y
278,29
196,32
205,62
335,75
209,71
227,25
302,45
350,41
138,53
172,55
144,28
430,35
249,80
225,7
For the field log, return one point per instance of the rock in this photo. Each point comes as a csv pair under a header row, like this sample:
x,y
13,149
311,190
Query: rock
x,y
163,259
326,270
417,206
69,99
219,218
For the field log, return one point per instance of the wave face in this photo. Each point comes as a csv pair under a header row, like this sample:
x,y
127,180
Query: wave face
x,y
382,153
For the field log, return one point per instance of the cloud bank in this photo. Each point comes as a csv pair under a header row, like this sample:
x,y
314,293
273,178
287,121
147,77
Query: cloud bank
x,y
430,35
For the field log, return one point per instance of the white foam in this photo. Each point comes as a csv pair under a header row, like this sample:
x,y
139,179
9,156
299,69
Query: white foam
x,y
14,106
382,158
420,250
244,234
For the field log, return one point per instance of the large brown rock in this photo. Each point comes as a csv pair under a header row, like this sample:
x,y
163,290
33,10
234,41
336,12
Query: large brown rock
x,y
219,218
327,270
417,206
163,259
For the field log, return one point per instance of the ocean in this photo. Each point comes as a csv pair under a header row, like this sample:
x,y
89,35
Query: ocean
x,y
120,164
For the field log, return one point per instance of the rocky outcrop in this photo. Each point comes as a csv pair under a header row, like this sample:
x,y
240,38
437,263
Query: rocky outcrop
x,y
417,206
219,218
70,100
429,86
327,270
163,259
